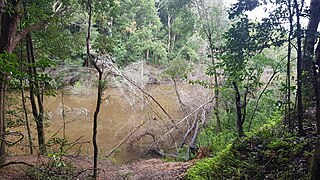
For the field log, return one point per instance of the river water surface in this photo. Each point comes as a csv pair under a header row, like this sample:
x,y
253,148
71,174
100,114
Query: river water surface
x,y
120,114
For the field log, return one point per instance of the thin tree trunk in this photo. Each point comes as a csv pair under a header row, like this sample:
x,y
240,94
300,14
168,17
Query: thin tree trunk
x,y
3,88
99,96
259,98
216,91
299,71
288,114
169,32
25,110
173,41
238,108
183,106
142,82
35,94
63,115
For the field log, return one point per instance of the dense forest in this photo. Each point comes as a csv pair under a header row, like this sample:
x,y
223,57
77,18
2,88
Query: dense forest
x,y
159,89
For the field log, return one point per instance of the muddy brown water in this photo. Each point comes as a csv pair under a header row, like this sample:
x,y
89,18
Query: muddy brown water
x,y
120,114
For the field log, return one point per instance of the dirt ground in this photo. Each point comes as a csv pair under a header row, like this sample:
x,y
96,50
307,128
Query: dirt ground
x,y
141,170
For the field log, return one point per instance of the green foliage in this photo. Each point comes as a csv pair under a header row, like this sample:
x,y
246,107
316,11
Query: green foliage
x,y
132,35
177,69
54,169
9,64
263,154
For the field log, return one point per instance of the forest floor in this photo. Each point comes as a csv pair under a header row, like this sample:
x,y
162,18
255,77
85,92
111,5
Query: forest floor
x,y
144,169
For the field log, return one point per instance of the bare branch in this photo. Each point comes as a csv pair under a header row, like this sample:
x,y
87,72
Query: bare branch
x,y
185,118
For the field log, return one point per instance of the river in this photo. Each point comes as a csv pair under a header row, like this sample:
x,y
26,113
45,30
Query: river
x,y
121,113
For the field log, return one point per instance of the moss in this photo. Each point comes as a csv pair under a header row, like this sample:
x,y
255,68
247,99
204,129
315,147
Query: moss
x,y
269,153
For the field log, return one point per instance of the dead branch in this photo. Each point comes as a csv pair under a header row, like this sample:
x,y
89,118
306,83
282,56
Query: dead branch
x,y
80,172
16,163
196,131
189,131
124,140
14,134
186,117
162,154
149,95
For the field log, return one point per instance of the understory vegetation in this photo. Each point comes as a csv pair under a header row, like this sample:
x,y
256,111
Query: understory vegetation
x,y
270,152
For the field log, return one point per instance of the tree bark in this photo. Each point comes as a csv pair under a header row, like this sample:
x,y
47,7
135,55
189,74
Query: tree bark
x,y
315,164
317,86
99,96
216,90
299,71
35,94
169,32
24,106
238,108
9,38
310,39
3,88
9,24
288,111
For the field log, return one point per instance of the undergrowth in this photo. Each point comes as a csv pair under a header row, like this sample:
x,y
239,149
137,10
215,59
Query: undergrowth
x,y
267,153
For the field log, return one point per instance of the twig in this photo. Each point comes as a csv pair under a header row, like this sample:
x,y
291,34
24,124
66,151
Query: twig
x,y
186,117
260,95
12,133
189,131
15,163
167,155
124,140
149,95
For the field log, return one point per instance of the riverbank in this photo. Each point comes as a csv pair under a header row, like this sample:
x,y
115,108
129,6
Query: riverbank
x,y
144,169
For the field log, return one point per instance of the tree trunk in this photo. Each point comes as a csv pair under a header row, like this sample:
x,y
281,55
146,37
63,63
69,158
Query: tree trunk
x,y
288,112
8,27
310,39
315,165
238,108
35,93
169,32
3,88
99,97
25,110
317,86
216,90
299,71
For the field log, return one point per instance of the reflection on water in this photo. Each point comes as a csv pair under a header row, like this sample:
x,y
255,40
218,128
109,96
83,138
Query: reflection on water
x,y
120,114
